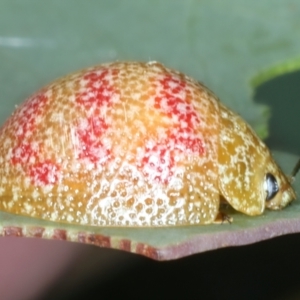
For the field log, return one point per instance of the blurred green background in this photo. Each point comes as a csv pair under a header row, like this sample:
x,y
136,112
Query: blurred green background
x,y
226,44
233,46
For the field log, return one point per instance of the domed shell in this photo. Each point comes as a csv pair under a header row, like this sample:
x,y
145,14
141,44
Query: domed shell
x,y
131,144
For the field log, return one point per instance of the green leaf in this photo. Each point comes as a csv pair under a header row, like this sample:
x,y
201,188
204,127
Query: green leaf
x,y
230,45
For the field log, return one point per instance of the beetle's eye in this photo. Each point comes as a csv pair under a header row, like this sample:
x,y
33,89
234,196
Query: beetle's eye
x,y
271,186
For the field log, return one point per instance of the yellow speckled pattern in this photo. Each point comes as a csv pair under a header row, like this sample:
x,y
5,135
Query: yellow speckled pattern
x,y
131,144
244,161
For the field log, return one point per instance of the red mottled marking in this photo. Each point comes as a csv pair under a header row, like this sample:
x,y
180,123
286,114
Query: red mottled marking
x,y
44,173
40,172
22,154
98,93
158,161
97,89
173,102
12,231
59,234
29,112
89,133
26,125
186,144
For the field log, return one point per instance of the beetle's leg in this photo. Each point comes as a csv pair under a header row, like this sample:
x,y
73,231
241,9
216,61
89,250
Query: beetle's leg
x,y
223,218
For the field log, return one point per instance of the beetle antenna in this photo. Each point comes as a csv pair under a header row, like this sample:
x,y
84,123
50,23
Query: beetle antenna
x,y
296,169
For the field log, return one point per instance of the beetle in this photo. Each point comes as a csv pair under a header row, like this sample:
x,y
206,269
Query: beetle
x,y
133,144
